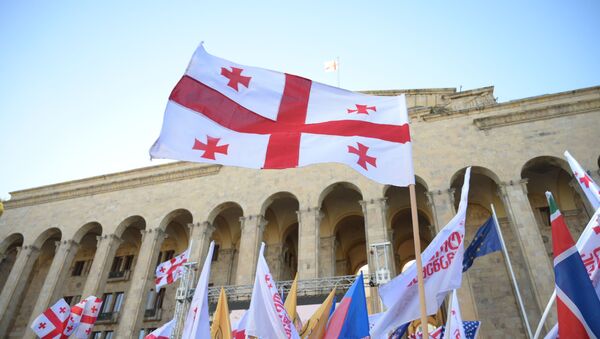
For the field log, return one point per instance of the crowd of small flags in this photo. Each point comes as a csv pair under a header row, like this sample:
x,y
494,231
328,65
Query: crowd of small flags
x,y
61,320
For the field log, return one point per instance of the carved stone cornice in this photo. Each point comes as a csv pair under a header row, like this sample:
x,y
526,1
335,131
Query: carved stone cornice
x,y
544,113
110,183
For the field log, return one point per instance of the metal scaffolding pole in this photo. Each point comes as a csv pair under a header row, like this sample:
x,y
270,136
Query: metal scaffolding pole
x,y
183,297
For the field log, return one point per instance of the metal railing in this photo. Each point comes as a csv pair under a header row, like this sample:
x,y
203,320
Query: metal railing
x,y
306,288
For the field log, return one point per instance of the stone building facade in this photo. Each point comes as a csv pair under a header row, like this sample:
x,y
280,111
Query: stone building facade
x,y
105,235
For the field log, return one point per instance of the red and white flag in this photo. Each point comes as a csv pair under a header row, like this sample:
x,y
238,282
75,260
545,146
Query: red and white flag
x,y
88,317
589,187
169,271
330,66
442,272
226,113
74,318
51,323
454,323
267,317
239,332
197,322
163,332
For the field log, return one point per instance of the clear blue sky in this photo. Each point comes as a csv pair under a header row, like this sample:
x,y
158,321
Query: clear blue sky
x,y
83,84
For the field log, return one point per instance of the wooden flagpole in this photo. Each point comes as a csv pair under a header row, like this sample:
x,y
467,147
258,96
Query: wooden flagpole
x,y
417,239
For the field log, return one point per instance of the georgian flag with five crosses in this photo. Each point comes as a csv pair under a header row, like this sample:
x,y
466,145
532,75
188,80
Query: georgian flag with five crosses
x,y
226,113
51,323
169,271
588,186
88,317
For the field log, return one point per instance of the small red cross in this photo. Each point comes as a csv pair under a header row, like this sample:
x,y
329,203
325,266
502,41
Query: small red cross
x,y
195,312
93,309
270,285
585,180
62,309
363,158
362,109
69,328
596,229
235,77
42,326
210,148
162,269
88,331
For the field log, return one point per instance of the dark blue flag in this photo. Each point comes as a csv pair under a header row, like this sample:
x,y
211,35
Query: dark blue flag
x,y
486,241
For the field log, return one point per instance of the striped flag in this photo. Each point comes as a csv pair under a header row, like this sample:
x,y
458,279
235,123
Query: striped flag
x,y
577,303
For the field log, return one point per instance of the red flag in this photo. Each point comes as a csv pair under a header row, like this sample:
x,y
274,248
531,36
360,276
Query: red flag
x,y
51,323
227,113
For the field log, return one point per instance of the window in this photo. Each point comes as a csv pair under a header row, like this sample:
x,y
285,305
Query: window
x,y
216,253
78,268
118,301
96,335
545,214
108,335
107,304
116,265
164,256
68,299
120,266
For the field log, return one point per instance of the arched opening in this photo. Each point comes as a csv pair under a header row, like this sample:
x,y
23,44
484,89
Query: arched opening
x,y
342,231
82,262
46,243
399,221
281,235
553,174
490,282
9,248
227,244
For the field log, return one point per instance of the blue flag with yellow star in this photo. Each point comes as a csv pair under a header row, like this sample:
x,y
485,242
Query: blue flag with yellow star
x,y
486,241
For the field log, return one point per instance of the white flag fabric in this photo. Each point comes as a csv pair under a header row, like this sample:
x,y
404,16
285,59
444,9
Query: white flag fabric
x,y
330,66
197,323
588,246
163,332
169,271
267,317
51,323
454,324
75,317
239,330
442,272
589,187
88,317
222,112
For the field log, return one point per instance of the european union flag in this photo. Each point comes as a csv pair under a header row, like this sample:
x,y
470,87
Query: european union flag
x,y
486,241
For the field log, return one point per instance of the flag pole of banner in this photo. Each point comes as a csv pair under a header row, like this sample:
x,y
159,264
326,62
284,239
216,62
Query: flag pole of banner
x,y
512,273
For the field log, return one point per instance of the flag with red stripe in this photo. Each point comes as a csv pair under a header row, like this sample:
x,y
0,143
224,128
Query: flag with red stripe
x,y
226,113
163,332
169,271
577,303
88,317
74,318
51,323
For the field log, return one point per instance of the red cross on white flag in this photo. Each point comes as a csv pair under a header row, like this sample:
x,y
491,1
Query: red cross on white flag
x,y
588,186
163,332
74,318
51,323
88,317
169,271
226,113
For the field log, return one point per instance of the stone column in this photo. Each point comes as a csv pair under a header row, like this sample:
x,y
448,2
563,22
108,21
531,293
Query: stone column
x,y
442,205
327,256
253,227
514,196
106,247
200,234
309,222
10,299
52,287
132,311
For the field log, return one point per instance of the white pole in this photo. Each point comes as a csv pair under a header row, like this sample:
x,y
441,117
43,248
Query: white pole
x,y
545,315
512,274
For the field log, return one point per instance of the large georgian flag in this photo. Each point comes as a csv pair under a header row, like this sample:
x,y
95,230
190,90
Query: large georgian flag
x,y
442,272
588,186
227,113
577,303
